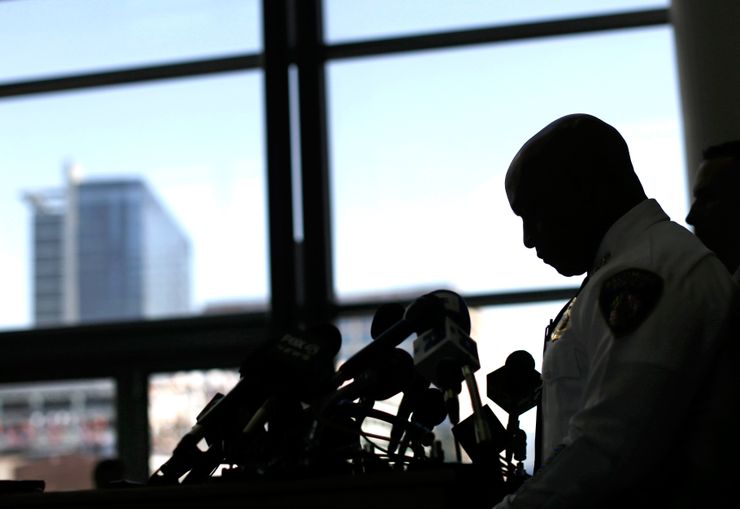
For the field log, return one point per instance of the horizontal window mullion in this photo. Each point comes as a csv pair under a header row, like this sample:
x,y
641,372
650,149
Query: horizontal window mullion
x,y
502,33
472,300
131,75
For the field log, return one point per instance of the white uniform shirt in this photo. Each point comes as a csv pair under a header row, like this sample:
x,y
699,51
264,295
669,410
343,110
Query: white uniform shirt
x,y
613,403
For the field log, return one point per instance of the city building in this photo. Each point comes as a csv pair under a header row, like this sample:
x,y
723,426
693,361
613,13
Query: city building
x,y
106,250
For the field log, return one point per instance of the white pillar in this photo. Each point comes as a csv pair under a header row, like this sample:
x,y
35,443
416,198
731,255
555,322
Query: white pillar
x,y
707,36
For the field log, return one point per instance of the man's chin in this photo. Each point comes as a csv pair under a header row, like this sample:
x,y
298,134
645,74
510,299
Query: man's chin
x,y
565,269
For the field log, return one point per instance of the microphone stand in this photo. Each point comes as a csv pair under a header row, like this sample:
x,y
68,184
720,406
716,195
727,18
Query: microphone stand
x,y
516,449
482,431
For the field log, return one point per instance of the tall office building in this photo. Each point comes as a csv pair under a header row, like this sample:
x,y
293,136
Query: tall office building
x,y
106,250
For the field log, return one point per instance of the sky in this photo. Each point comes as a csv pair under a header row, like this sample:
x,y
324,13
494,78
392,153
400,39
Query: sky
x,y
419,142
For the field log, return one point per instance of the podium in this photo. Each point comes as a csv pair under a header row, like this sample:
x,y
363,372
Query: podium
x,y
451,486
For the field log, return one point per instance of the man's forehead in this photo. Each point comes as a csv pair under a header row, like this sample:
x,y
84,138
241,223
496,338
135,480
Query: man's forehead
x,y
513,178
518,180
524,169
524,186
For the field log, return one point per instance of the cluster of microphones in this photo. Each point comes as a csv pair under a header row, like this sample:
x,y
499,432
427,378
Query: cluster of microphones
x,y
293,414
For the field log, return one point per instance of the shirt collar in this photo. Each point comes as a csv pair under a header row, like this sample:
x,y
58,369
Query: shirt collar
x,y
638,219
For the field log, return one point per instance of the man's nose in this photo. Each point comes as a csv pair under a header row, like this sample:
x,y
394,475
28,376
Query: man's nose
x,y
692,216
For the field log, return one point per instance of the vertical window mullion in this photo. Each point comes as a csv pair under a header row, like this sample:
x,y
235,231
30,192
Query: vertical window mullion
x,y
279,178
317,255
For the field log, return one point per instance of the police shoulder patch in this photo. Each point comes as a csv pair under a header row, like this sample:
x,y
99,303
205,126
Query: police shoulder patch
x,y
628,297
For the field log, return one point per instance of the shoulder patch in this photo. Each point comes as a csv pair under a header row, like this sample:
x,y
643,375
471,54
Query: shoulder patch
x,y
628,297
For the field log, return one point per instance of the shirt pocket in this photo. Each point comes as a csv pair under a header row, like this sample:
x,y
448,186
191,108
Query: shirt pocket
x,y
562,360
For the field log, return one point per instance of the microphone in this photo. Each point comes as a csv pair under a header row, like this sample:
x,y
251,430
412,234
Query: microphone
x,y
385,378
356,364
385,317
298,366
448,381
440,355
487,452
430,310
299,363
515,386
430,411
427,312
409,402
334,429
447,356
305,365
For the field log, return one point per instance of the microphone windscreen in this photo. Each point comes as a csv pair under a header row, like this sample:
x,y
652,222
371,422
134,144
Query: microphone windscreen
x,y
520,361
394,374
327,336
515,386
455,308
300,364
369,355
430,311
386,316
430,409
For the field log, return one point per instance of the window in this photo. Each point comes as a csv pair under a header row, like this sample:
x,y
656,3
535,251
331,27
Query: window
x,y
61,38
420,144
139,191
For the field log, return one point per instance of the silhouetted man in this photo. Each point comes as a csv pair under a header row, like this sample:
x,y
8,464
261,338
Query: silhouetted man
x,y
626,361
715,213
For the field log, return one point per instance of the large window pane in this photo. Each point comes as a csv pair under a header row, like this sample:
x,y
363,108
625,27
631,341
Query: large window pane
x,y
348,20
50,37
420,144
133,202
57,432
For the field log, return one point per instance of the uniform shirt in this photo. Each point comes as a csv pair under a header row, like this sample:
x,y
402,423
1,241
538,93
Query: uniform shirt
x,y
620,377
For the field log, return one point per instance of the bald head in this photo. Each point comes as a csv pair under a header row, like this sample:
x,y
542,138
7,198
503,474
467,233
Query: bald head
x,y
571,181
574,148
